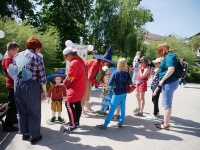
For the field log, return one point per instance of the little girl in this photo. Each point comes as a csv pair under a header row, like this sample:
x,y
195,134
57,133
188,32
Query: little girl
x,y
141,85
118,80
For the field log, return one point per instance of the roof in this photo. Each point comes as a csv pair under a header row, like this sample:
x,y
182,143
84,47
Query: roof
x,y
152,36
198,34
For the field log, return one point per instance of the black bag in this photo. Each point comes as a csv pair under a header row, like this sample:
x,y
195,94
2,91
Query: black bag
x,y
179,70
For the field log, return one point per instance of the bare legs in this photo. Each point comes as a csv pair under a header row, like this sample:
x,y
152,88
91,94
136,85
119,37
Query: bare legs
x,y
167,116
140,100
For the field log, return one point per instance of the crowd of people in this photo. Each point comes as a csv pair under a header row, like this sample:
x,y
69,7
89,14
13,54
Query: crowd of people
x,y
25,96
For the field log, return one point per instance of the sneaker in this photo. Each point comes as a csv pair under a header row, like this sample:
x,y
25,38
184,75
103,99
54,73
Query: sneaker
x,y
25,137
136,110
138,114
120,126
84,114
152,117
35,140
70,129
184,86
100,114
60,119
101,126
77,124
53,119
10,129
116,117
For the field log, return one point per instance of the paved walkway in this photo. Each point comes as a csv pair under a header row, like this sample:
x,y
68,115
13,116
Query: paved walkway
x,y
138,133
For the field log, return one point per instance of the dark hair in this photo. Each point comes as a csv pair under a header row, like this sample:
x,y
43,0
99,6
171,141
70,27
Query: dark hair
x,y
12,45
73,53
33,43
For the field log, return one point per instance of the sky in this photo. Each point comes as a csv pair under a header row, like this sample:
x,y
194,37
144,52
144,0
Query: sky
x,y
180,17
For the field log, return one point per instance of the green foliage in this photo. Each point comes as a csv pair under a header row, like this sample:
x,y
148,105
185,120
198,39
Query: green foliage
x,y
118,23
195,42
68,17
21,32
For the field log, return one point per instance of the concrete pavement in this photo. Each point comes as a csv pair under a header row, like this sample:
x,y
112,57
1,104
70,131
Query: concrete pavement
x,y
138,133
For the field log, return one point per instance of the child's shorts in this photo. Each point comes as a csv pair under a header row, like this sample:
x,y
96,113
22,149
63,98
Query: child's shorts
x,y
56,106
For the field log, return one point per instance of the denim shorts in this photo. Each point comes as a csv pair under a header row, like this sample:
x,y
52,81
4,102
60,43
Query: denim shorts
x,y
167,93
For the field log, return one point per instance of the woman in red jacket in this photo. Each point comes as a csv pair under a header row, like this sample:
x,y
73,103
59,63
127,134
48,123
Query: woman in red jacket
x,y
76,87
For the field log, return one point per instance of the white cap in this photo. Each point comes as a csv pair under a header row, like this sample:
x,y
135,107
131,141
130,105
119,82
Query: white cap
x,y
68,50
158,60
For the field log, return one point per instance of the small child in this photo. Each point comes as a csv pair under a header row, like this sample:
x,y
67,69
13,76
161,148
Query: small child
x,y
57,93
118,80
141,85
11,115
155,96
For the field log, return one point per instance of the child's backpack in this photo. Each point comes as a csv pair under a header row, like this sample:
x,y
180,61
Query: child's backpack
x,y
179,70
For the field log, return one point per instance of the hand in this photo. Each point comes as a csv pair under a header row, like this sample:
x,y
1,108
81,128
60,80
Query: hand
x,y
154,93
48,100
44,95
161,82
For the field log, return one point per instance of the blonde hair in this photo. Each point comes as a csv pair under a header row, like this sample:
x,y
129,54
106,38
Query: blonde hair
x,y
163,49
122,64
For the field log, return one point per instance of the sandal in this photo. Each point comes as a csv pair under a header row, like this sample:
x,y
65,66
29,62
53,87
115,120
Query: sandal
x,y
160,123
162,126
89,110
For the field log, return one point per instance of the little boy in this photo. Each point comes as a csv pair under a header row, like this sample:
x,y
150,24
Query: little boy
x,y
57,92
11,116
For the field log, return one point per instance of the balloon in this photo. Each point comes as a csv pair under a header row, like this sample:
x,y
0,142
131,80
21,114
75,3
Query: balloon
x,y
104,68
1,56
21,61
26,74
69,43
2,34
12,71
90,47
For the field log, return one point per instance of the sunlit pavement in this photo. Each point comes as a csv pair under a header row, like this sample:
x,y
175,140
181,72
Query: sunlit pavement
x,y
138,132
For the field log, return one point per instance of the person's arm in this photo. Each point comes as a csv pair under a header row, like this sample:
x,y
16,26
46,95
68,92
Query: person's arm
x,y
49,93
112,79
146,71
42,77
91,74
170,71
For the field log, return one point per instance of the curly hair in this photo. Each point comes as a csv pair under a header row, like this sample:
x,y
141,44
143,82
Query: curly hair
x,y
33,43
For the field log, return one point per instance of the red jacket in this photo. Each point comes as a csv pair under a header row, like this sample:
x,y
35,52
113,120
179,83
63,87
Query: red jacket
x,y
92,68
6,61
75,80
57,92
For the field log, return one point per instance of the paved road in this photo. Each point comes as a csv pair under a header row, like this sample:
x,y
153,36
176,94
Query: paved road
x,y
138,133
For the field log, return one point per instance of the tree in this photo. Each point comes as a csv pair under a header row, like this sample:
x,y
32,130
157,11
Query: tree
x,y
119,23
21,32
17,9
68,17
195,42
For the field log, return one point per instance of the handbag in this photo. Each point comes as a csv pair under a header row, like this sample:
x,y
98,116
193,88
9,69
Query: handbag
x,y
138,81
130,88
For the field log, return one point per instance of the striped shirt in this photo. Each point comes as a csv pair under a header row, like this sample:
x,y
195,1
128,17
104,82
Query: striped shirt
x,y
35,65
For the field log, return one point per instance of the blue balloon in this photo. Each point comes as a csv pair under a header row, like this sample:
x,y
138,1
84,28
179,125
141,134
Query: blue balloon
x,y
26,74
12,70
1,56
21,61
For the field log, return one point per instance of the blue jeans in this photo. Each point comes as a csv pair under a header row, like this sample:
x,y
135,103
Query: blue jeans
x,y
115,102
168,92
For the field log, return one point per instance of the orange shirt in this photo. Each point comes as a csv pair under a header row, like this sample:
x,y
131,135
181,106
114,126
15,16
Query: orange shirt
x,y
57,92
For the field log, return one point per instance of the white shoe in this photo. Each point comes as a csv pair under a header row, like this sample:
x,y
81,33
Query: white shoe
x,y
84,114
184,86
152,117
